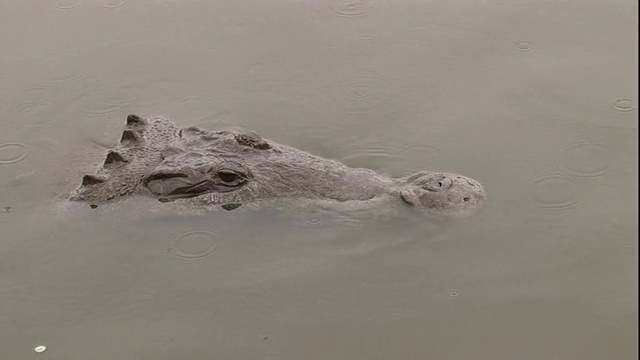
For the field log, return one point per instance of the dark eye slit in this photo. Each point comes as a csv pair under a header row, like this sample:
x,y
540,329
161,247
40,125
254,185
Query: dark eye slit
x,y
228,176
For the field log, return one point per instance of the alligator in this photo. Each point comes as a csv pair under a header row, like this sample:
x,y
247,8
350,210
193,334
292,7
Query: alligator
x,y
227,169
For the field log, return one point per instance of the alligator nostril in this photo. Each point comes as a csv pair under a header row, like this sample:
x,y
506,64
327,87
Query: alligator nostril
x,y
466,198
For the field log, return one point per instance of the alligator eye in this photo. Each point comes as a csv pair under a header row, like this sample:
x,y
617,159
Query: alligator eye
x,y
228,176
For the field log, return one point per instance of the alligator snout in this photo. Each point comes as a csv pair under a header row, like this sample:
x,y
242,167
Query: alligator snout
x,y
443,193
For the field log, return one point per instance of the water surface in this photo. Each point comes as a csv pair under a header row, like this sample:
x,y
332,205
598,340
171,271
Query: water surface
x,y
535,99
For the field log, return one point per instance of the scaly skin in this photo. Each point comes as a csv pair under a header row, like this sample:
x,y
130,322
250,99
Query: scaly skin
x,y
230,168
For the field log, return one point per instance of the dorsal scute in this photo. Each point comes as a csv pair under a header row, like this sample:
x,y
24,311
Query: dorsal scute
x,y
114,157
89,180
129,136
134,120
252,139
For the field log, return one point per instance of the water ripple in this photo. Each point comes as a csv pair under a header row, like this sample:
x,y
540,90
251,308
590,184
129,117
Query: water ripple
x,y
553,192
314,221
588,160
385,156
419,156
526,3
317,138
68,4
374,155
113,95
623,105
524,46
113,4
202,110
358,92
368,36
60,67
33,110
34,96
350,8
12,152
194,245
363,92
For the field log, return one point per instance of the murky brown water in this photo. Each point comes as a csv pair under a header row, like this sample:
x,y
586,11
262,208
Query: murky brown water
x,y
536,99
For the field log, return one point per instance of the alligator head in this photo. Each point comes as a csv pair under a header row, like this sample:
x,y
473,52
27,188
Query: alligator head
x,y
228,168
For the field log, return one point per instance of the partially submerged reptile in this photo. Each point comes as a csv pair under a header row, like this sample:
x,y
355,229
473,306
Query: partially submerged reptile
x,y
225,168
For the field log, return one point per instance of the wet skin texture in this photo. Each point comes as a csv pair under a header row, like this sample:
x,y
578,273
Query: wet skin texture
x,y
157,158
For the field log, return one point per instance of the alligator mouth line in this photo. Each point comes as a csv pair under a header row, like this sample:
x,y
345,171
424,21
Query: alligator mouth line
x,y
203,187
195,189
163,176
